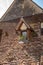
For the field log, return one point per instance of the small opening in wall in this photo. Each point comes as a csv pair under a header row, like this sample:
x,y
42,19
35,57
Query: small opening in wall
x,y
6,34
0,34
41,28
41,31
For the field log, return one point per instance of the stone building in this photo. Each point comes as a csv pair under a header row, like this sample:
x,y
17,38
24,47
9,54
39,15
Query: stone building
x,y
21,34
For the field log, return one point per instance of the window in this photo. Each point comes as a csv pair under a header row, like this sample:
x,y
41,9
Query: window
x,y
41,31
0,34
41,28
23,33
23,37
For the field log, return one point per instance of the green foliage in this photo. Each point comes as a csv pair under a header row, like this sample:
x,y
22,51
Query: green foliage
x,y
21,37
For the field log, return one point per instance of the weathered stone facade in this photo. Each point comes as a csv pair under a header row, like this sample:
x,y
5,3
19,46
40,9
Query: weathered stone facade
x,y
13,53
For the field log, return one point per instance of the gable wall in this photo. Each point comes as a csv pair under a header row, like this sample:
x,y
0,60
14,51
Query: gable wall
x,y
6,43
10,27
9,46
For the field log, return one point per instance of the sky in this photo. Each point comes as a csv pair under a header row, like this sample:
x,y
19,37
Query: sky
x,y
4,5
39,2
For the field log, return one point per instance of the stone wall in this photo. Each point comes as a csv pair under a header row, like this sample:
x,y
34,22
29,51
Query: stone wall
x,y
11,52
8,37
